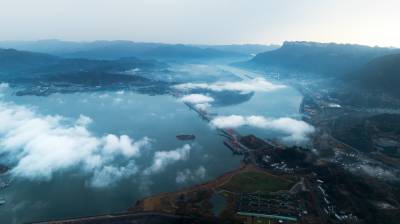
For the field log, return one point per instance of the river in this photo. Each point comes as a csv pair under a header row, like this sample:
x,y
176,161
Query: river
x,y
160,118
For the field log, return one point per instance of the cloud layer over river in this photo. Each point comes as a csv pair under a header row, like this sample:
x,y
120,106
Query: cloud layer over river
x,y
38,146
248,85
296,130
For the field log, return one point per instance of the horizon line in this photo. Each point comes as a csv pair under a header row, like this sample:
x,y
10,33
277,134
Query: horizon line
x,y
199,44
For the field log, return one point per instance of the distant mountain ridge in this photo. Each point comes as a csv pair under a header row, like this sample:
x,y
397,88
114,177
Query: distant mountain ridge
x,y
18,65
184,51
111,50
248,49
12,61
43,74
327,59
59,47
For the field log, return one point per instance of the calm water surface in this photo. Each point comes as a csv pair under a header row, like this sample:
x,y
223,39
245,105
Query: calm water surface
x,y
160,118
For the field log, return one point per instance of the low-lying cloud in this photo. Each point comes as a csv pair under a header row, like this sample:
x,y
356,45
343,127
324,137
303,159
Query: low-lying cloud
x,y
198,100
110,174
38,146
42,145
123,145
164,158
248,85
295,130
190,175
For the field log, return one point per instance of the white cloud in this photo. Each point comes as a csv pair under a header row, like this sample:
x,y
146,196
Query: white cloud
x,y
202,106
182,176
3,88
232,121
250,85
108,175
200,101
43,145
84,120
197,98
164,158
105,95
117,100
124,144
39,146
295,129
190,175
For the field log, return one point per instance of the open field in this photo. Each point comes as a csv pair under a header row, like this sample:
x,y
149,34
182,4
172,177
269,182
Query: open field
x,y
255,181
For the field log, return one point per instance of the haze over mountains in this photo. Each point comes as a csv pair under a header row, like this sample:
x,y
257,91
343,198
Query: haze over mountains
x,y
23,61
211,111
117,49
338,86
326,59
43,74
357,67
367,68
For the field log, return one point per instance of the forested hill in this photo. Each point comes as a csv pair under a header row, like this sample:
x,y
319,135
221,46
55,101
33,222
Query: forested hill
x,y
380,75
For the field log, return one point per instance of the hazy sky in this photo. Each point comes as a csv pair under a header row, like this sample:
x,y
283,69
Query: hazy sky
x,y
371,22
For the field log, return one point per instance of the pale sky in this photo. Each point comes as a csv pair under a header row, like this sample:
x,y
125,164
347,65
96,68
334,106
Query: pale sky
x,y
370,22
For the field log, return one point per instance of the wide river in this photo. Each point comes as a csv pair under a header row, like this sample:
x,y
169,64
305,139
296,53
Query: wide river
x,y
160,118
